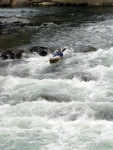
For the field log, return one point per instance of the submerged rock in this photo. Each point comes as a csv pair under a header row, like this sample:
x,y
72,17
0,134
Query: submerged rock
x,y
58,98
86,49
11,26
89,49
83,76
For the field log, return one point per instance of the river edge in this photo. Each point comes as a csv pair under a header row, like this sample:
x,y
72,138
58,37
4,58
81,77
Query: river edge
x,y
29,3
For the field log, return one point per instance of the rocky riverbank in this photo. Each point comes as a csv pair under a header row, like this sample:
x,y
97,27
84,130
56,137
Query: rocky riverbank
x,y
18,3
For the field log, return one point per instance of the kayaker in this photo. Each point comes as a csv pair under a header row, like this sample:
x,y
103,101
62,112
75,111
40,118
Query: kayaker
x,y
58,53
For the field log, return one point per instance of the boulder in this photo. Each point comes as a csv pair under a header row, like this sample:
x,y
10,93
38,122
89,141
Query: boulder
x,y
4,56
42,51
7,54
11,54
18,54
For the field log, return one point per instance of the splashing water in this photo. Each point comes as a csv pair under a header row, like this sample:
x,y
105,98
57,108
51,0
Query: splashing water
x,y
62,106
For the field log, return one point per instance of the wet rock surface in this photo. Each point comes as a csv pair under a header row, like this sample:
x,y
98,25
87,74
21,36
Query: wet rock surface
x,y
18,54
42,51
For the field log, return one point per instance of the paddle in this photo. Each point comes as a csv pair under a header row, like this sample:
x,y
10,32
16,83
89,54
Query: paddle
x,y
63,49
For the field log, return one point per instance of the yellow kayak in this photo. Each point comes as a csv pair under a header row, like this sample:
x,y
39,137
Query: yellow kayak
x,y
54,59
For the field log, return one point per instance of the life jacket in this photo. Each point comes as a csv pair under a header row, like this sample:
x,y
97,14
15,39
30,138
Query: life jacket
x,y
57,53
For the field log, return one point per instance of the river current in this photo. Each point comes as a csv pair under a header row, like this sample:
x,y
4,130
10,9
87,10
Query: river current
x,y
63,106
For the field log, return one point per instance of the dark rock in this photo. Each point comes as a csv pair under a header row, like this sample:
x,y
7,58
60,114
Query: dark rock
x,y
18,55
85,49
42,51
11,54
4,56
7,54
89,49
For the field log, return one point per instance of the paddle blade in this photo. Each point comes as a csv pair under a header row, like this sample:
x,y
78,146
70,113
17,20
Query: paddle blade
x,y
63,49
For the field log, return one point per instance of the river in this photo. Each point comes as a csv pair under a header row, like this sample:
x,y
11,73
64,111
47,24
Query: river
x,y
62,106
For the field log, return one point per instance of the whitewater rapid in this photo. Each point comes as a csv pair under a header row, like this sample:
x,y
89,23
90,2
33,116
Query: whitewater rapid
x,y
66,105
65,112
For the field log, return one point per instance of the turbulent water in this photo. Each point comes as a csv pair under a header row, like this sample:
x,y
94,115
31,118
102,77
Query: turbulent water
x,y
62,106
